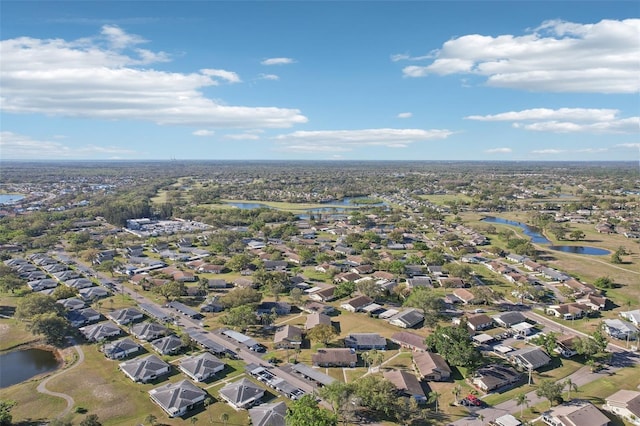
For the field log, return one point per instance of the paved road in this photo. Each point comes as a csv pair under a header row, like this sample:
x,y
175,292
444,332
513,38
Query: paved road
x,y
42,387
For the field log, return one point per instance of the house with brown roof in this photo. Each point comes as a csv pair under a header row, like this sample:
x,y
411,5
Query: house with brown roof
x,y
335,357
323,295
357,303
495,376
625,404
288,336
479,322
568,311
575,413
317,318
409,340
407,384
464,295
431,366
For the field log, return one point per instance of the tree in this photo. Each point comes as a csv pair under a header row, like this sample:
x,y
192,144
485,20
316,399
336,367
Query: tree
x,y
64,292
369,288
238,262
376,393
522,401
224,418
171,290
459,270
603,282
241,297
570,385
240,317
433,398
577,235
341,397
454,345
5,412
35,304
322,333
550,390
296,295
53,327
151,419
429,302
306,412
456,391
9,280
91,420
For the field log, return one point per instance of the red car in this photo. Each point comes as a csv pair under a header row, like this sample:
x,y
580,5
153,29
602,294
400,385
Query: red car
x,y
474,400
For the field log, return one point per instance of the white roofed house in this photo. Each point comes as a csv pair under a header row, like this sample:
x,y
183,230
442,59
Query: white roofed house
x,y
365,341
408,318
575,413
125,316
241,394
269,414
120,348
626,404
145,369
620,329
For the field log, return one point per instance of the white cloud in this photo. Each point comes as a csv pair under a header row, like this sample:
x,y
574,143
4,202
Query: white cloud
x,y
268,77
629,145
405,115
230,76
593,150
347,140
203,132
243,137
567,120
21,147
278,61
498,151
548,151
84,78
558,56
407,57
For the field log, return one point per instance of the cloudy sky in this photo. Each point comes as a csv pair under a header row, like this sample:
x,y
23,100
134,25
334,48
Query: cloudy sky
x,y
365,80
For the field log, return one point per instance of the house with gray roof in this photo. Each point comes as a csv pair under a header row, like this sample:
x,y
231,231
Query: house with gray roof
x,y
242,394
269,414
148,331
507,319
201,367
92,293
529,358
495,376
288,336
316,318
168,345
79,283
120,348
575,413
125,316
335,357
407,384
409,340
100,331
407,318
83,316
72,303
365,341
620,329
145,369
176,399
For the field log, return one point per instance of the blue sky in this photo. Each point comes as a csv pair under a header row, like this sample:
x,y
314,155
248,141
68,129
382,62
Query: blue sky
x,y
363,80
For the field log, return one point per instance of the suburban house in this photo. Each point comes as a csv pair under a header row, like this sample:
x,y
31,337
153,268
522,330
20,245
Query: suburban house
x,y
566,345
409,340
357,303
120,348
177,398
287,337
72,303
269,414
507,319
365,341
464,295
632,316
335,357
93,293
184,309
125,316
431,366
323,294
241,394
311,307
168,345
625,404
280,308
495,376
407,384
479,322
145,369
620,329
100,331
568,311
148,331
529,358
201,367
407,319
575,413
316,318
83,316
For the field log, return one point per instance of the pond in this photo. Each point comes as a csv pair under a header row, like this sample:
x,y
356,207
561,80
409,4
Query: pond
x,y
593,251
18,366
347,202
530,232
10,198
247,206
538,238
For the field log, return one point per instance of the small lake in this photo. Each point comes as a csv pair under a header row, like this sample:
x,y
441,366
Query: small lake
x,y
538,238
592,251
18,366
248,206
10,198
347,203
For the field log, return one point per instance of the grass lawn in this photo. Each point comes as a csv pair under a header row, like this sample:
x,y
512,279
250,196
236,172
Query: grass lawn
x,y
32,406
13,334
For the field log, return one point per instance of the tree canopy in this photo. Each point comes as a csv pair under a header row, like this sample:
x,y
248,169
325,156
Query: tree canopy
x,y
454,345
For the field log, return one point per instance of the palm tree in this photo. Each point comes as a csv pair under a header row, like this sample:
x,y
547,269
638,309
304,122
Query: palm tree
x,y
456,393
521,401
366,358
193,420
570,385
207,403
433,398
151,419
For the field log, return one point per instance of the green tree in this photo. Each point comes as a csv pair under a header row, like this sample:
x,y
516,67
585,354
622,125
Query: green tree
x,y
52,326
238,262
5,412
91,420
522,401
35,304
224,418
429,302
241,297
240,317
64,292
341,396
570,386
151,420
550,390
306,412
577,235
456,391
454,345
322,333
9,280
434,397
171,290
376,393
603,282
296,295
